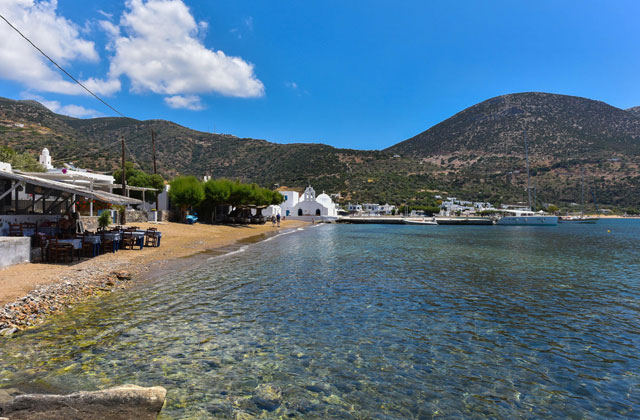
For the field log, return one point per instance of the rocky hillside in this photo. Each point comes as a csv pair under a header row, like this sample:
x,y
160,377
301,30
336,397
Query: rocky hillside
x,y
567,136
477,153
635,110
94,143
556,125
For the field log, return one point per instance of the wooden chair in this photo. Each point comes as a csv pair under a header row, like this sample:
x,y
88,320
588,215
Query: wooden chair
x,y
106,244
128,240
60,252
151,237
15,229
87,247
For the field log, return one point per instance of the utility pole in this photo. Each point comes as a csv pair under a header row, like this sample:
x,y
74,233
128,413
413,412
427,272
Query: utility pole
x,y
123,217
155,168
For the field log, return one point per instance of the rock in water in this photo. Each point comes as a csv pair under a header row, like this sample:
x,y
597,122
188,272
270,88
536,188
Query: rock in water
x,y
127,402
267,397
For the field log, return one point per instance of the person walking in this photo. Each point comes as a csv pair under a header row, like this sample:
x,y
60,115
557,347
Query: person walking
x,y
273,220
278,219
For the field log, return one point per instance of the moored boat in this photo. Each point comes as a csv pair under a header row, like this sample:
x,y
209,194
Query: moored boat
x,y
464,220
526,218
422,221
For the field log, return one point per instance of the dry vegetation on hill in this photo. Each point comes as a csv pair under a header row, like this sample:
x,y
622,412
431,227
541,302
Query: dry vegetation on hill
x,y
478,153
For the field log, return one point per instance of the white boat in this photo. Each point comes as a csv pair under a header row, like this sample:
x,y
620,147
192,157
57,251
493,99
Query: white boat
x,y
422,221
526,218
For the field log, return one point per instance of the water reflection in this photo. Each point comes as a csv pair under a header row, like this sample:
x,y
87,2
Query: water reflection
x,y
369,322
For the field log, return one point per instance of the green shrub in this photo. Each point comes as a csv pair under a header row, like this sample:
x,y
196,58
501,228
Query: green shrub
x,y
104,220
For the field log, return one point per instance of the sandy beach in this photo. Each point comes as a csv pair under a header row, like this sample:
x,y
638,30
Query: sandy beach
x,y
178,240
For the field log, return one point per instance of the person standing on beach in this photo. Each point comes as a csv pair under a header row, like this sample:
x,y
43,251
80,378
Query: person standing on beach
x,y
278,219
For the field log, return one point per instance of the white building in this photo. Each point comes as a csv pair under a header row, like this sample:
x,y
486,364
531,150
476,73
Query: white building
x,y
272,210
354,208
453,206
45,159
310,205
291,198
307,205
82,178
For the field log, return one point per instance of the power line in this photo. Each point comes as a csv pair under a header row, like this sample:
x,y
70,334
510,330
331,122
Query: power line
x,y
61,69
132,156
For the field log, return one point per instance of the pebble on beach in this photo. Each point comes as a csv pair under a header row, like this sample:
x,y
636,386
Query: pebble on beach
x,y
33,308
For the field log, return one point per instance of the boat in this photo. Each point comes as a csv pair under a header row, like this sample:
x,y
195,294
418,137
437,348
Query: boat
x,y
422,221
464,220
527,217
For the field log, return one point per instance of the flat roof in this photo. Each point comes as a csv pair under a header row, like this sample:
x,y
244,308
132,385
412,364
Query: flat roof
x,y
69,188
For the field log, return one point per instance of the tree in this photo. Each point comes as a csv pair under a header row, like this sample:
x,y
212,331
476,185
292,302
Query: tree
x,y
104,220
186,192
139,178
552,208
21,161
217,192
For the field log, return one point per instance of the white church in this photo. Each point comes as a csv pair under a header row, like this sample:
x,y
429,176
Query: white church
x,y
305,207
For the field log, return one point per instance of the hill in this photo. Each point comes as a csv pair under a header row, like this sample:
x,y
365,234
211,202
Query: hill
x,y
635,110
476,154
567,136
94,143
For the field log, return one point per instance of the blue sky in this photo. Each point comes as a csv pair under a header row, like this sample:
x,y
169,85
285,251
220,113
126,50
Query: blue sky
x,y
358,74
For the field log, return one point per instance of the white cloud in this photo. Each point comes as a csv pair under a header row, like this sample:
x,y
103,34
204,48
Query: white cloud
x,y
71,110
112,30
105,14
58,37
157,45
296,88
102,87
160,52
191,102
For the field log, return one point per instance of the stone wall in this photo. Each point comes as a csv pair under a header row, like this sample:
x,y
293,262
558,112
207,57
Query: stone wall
x,y
14,250
89,222
137,216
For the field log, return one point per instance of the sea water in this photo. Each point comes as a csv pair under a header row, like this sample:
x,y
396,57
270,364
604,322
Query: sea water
x,y
368,321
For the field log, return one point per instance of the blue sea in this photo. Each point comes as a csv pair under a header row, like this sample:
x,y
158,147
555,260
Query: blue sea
x,y
368,321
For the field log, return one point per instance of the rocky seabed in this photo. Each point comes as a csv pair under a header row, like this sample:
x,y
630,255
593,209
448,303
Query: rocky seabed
x,y
33,308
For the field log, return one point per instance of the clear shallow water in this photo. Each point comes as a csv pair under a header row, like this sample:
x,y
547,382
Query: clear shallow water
x,y
370,322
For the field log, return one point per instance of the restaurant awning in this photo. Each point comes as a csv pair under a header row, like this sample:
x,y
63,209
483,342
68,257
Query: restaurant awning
x,y
48,184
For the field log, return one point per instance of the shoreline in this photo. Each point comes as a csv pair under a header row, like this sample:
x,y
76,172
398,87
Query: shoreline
x,y
31,292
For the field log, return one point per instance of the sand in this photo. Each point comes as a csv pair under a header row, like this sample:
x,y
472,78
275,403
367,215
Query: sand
x,y
178,240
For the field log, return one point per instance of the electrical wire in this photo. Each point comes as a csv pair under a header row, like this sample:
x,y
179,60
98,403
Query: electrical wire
x,y
61,69
132,156
81,85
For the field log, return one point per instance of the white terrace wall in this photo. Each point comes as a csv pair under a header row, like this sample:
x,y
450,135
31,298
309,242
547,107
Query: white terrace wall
x,y
14,250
